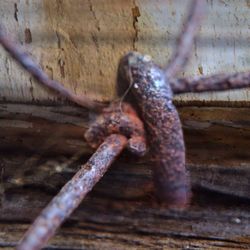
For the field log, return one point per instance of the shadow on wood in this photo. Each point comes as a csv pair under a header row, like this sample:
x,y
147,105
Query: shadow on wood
x,y
42,147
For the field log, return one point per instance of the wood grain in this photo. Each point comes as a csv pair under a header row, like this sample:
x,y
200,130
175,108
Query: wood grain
x,y
41,147
80,42
216,138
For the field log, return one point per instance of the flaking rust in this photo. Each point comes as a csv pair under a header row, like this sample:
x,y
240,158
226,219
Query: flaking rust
x,y
70,196
154,97
149,90
110,134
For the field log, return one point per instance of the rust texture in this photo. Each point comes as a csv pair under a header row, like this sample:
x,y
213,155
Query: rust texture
x,y
118,119
154,100
153,94
72,193
119,126
212,83
116,128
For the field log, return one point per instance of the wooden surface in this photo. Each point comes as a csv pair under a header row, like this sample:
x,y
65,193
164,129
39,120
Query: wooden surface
x,y
79,42
42,147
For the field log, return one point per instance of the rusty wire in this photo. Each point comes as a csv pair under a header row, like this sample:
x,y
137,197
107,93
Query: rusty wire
x,y
186,38
128,135
35,70
70,196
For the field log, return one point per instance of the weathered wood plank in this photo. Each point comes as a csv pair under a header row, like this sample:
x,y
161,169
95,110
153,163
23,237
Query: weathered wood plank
x,y
121,212
41,147
217,129
37,142
80,42
217,140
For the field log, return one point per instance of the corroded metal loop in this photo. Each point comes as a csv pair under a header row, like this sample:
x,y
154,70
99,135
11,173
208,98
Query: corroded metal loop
x,y
219,82
118,119
153,98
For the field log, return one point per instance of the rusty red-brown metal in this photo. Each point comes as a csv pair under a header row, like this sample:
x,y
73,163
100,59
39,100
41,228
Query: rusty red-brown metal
x,y
71,195
152,95
217,82
119,118
151,90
